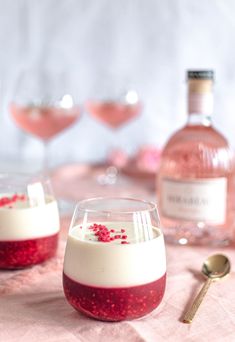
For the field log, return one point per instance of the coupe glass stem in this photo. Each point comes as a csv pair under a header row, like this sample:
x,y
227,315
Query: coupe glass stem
x,y
112,172
45,166
109,176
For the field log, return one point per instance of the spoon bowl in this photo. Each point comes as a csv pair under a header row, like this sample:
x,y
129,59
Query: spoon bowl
x,y
215,267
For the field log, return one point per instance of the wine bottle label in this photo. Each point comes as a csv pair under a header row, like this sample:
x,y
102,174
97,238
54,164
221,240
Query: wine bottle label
x,y
195,200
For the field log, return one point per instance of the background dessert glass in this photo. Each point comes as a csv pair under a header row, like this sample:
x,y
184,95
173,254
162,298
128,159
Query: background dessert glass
x,y
29,221
43,105
114,266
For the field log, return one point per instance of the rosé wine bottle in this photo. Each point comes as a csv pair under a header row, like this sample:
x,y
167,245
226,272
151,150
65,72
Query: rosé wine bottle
x,y
196,175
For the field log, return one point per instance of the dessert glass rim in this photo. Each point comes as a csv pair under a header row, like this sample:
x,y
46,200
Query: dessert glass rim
x,y
24,176
150,206
19,181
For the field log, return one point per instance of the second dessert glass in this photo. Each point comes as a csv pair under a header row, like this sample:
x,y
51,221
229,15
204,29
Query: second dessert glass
x,y
29,221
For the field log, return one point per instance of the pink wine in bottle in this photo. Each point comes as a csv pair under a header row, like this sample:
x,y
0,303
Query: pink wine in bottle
x,y
196,177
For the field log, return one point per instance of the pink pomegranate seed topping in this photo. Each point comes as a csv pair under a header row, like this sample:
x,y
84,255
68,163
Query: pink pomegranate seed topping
x,y
14,197
10,200
103,234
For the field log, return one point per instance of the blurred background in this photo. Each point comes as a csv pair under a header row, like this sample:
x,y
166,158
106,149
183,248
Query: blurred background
x,y
108,48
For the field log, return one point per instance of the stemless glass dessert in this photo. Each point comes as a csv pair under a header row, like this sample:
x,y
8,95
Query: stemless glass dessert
x,y
29,221
114,267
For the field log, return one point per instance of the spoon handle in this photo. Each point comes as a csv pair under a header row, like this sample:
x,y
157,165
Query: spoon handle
x,y
188,318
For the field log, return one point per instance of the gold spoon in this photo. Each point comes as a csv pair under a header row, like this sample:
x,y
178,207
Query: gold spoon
x,y
214,268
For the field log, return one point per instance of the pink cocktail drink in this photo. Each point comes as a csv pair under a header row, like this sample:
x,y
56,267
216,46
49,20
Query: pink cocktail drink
x,y
110,276
43,121
28,234
113,114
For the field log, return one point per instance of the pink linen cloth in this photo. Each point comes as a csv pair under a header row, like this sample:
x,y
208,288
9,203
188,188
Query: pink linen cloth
x,y
33,306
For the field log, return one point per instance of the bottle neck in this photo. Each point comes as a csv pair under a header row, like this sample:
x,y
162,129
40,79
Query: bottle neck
x,y
200,103
199,120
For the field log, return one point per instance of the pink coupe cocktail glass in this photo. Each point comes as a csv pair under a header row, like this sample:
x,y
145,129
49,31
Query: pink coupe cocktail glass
x,y
114,113
42,106
43,121
114,266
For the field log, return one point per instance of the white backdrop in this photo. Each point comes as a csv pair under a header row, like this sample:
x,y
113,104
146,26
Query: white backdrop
x,y
146,43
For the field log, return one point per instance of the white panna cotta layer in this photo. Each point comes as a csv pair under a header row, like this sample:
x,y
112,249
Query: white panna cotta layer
x,y
112,264
22,222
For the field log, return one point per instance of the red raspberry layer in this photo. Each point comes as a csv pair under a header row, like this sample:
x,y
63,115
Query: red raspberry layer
x,y
114,304
19,254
